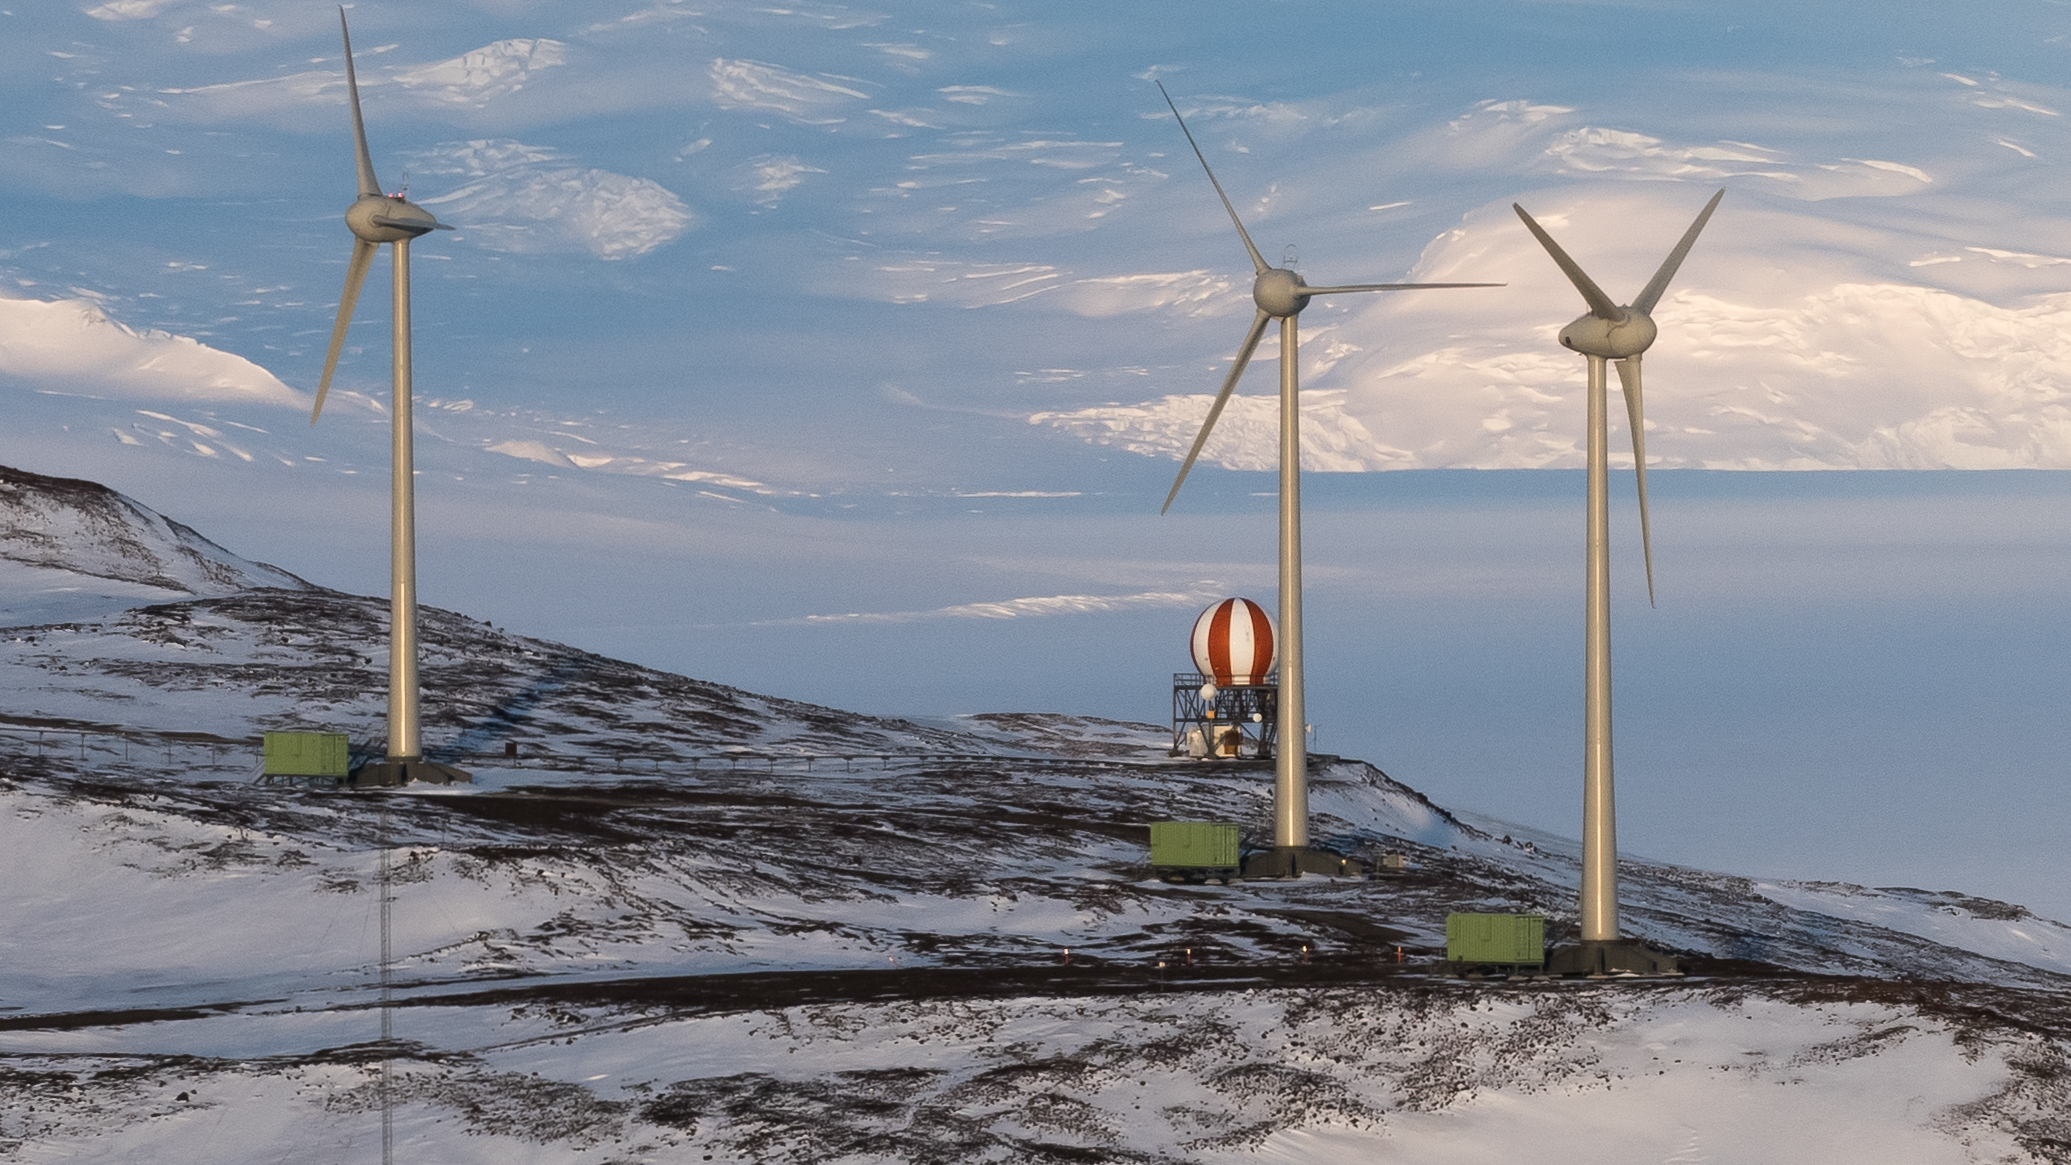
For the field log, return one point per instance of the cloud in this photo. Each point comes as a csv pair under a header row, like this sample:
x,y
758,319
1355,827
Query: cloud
x,y
834,18
1247,435
1881,376
72,344
128,9
538,451
1207,109
932,279
1830,362
1492,134
478,77
796,97
474,80
772,176
1057,153
925,279
972,94
1193,292
288,98
195,437
1032,607
531,200
574,452
1594,150
1827,363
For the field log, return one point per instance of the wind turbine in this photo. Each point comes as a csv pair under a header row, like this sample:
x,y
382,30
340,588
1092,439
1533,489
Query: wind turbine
x,y
1608,332
1280,293
376,218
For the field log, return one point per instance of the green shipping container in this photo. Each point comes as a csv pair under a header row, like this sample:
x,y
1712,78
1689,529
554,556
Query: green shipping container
x,y
306,754
1508,940
1194,844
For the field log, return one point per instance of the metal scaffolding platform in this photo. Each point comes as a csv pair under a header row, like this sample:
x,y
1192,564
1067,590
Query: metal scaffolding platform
x,y
1241,722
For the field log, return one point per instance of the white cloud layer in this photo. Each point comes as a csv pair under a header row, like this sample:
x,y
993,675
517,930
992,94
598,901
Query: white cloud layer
x,y
577,453
796,97
1031,607
479,77
1594,150
1247,435
127,9
1880,287
475,80
1834,361
932,278
771,176
530,199
74,346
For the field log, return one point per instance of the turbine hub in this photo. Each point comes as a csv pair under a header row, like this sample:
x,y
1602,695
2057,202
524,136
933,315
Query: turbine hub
x,y
1279,292
390,218
1616,339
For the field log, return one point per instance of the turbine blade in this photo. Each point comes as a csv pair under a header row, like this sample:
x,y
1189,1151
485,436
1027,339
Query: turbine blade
x,y
1390,287
1659,284
355,275
1629,379
369,185
1229,385
1600,305
1258,261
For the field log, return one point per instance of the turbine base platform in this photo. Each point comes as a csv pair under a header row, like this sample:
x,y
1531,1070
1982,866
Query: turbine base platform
x,y
1292,861
397,771
1621,957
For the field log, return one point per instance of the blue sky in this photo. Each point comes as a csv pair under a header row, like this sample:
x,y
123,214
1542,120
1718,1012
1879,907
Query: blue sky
x,y
846,352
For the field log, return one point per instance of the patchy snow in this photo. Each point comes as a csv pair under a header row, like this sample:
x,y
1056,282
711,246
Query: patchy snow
x,y
685,919
64,526
1997,929
1575,1074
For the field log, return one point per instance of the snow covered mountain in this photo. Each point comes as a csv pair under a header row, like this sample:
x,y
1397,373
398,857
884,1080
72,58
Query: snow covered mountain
x,y
686,922
70,546
80,527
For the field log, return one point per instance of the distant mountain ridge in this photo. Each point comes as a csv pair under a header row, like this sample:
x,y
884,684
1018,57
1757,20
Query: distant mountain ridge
x,y
64,523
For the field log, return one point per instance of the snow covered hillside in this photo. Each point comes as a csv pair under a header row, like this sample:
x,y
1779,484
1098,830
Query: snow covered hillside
x,y
68,547
685,922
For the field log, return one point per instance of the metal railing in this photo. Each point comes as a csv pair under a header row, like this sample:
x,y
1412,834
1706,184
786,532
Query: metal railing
x,y
56,740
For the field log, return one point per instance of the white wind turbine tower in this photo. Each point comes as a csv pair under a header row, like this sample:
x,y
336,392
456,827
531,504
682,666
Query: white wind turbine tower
x,y
1280,294
376,218
1608,332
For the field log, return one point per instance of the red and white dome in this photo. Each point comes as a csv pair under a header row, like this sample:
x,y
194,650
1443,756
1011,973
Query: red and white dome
x,y
1233,643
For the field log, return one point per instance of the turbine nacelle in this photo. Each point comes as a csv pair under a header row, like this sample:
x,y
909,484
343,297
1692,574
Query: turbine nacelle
x,y
1613,333
373,218
1613,339
1609,334
1279,292
389,218
376,217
